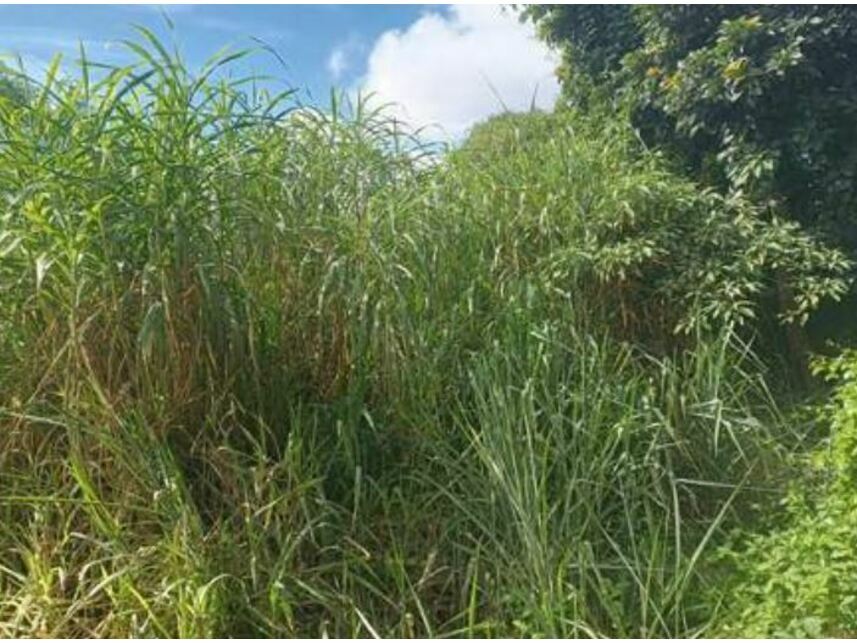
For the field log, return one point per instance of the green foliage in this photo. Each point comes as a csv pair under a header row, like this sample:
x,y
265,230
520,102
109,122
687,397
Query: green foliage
x,y
662,254
754,98
593,38
12,87
268,370
800,580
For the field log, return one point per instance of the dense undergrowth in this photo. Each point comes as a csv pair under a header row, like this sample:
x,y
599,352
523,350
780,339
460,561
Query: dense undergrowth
x,y
799,578
278,371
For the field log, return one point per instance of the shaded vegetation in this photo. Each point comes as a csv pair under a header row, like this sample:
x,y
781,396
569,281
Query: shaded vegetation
x,y
759,99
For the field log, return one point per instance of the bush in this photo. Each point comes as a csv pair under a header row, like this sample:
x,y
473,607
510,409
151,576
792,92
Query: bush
x,y
751,98
611,227
800,579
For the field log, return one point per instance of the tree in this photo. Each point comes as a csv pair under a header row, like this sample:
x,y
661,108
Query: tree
x,y
757,99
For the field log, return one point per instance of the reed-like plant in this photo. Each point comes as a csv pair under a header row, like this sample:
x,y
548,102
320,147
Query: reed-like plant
x,y
274,370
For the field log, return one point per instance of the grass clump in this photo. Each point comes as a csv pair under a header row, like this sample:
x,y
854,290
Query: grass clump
x,y
268,370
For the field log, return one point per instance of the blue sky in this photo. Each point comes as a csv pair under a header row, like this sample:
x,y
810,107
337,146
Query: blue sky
x,y
440,65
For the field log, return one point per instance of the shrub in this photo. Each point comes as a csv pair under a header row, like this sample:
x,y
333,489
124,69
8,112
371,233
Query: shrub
x,y
800,578
609,225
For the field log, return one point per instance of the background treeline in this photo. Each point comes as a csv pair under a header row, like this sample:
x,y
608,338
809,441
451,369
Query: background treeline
x,y
269,370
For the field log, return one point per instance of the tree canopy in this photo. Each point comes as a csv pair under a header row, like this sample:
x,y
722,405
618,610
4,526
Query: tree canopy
x,y
755,99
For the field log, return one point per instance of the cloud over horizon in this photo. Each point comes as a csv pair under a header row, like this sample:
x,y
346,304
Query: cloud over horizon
x,y
456,68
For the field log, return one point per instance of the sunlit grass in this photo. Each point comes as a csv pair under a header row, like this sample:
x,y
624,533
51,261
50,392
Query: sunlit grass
x,y
264,370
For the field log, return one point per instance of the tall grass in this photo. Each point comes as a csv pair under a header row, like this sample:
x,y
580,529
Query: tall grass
x,y
273,370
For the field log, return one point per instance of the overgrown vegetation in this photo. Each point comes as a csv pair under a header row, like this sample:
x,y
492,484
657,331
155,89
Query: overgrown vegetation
x,y
799,579
756,98
269,370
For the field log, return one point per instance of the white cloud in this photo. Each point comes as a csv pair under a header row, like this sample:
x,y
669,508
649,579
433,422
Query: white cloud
x,y
342,57
337,63
455,68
